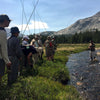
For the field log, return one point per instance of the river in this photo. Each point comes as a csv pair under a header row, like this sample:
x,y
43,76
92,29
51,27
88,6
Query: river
x,y
85,75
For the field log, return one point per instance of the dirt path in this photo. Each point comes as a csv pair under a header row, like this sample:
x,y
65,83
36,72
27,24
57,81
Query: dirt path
x,y
85,76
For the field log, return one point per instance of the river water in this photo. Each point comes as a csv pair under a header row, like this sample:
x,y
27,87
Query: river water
x,y
85,75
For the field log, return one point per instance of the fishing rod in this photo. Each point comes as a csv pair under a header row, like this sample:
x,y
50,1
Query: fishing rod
x,y
31,16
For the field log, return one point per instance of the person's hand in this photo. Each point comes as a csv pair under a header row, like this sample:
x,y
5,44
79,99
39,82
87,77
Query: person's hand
x,y
8,66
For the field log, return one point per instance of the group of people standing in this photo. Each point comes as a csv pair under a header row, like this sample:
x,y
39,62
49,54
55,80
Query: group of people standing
x,y
33,51
11,51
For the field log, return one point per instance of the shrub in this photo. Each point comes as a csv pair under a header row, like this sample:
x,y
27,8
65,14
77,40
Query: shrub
x,y
54,71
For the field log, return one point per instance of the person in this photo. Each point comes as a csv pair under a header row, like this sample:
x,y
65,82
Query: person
x,y
25,40
49,48
40,41
37,44
92,50
54,46
28,51
40,47
33,41
14,53
4,22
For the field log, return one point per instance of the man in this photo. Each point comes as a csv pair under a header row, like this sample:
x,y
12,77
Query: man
x,y
35,44
39,41
40,48
92,50
4,22
54,46
49,48
14,53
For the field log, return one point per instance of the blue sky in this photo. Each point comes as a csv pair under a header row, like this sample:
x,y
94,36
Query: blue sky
x,y
50,15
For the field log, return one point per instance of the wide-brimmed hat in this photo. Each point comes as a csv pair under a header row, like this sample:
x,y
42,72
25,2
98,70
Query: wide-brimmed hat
x,y
14,30
25,37
4,17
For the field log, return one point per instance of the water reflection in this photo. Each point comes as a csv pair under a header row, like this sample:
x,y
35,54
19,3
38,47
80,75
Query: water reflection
x,y
85,75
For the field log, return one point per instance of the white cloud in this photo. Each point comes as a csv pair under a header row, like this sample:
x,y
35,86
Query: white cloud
x,y
32,25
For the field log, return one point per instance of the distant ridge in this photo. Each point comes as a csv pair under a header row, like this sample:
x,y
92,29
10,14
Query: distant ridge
x,y
82,25
47,33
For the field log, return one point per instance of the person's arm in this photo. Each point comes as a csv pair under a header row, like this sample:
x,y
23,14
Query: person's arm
x,y
3,42
40,43
89,47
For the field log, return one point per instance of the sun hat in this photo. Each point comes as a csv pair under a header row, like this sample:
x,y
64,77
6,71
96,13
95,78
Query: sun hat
x,y
15,30
25,37
4,17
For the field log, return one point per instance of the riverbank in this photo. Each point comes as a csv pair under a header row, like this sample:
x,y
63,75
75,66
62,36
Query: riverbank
x,y
85,75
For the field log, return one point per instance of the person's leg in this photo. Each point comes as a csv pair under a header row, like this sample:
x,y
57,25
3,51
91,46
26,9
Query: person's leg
x,y
12,75
25,61
94,55
2,69
29,58
91,55
0,79
42,56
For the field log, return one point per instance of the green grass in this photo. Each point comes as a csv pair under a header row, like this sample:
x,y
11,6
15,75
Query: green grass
x,y
47,80
54,71
39,88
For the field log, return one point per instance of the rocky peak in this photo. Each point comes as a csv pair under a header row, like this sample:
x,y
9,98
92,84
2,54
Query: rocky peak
x,y
82,25
97,14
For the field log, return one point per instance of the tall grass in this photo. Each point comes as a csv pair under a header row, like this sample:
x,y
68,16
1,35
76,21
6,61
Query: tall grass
x,y
39,88
47,80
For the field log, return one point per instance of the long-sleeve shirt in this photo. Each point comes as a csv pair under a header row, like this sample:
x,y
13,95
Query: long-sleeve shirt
x,y
3,46
14,48
40,43
24,43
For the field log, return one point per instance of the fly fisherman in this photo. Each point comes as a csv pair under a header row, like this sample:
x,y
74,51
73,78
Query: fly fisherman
x,y
4,22
92,51
14,53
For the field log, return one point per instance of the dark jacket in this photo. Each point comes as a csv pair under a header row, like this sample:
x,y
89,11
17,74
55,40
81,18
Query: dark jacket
x,y
92,47
14,48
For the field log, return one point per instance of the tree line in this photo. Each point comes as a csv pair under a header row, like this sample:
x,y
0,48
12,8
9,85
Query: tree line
x,y
82,37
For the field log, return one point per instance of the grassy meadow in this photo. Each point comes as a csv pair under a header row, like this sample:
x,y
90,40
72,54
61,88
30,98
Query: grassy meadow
x,y
47,80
